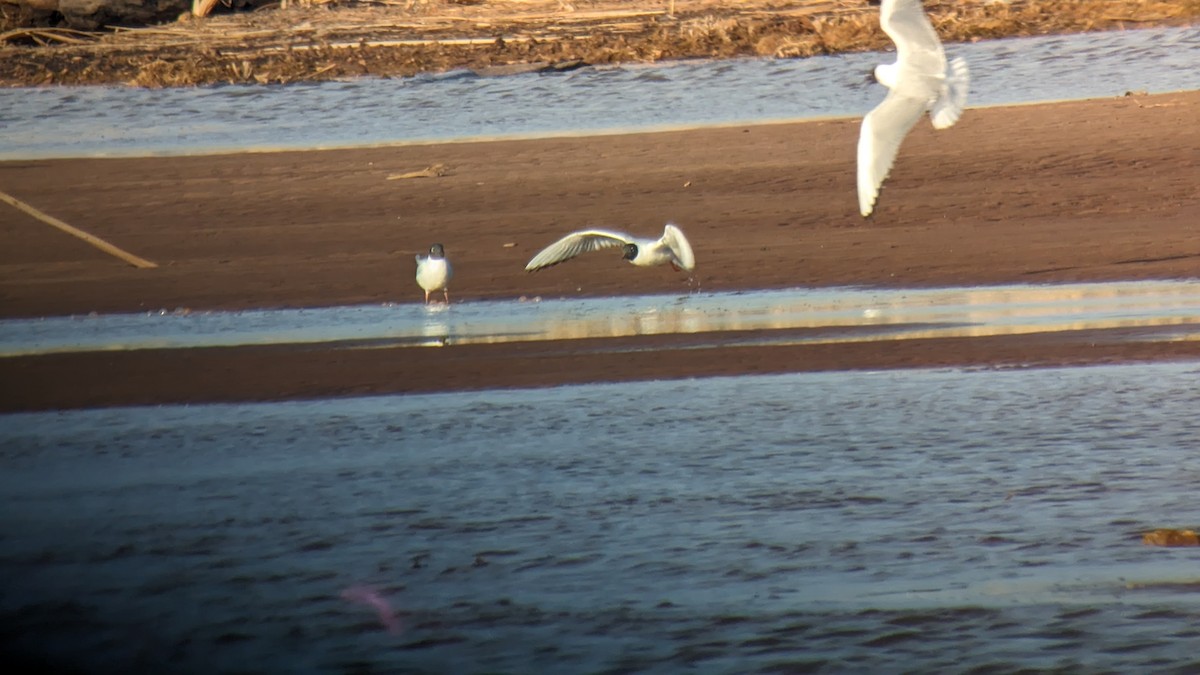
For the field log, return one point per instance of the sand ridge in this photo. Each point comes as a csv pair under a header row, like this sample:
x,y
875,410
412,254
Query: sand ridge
x,y
1099,190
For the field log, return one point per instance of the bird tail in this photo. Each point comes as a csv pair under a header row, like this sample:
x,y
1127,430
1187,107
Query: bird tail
x,y
949,105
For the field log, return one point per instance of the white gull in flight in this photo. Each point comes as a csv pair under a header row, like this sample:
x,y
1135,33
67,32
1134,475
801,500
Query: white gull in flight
x,y
919,82
672,248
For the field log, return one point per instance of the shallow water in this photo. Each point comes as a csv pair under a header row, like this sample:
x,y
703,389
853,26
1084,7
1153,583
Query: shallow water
x,y
865,521
1172,308
84,121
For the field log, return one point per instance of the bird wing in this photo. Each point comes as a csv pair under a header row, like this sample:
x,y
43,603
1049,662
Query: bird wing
x,y
917,45
574,244
883,129
949,106
680,248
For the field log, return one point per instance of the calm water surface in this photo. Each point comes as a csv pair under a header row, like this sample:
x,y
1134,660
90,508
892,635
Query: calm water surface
x,y
74,121
1166,309
867,521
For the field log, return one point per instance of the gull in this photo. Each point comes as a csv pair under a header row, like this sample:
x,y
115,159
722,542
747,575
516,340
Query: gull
x,y
434,272
919,82
672,248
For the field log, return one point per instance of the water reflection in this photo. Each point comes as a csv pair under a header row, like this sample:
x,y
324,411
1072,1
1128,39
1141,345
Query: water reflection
x,y
828,315
74,121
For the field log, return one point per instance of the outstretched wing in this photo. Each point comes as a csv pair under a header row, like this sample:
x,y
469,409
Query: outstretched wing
x,y
574,244
680,248
917,45
953,98
883,129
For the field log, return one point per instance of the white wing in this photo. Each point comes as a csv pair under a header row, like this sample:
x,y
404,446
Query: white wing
x,y
883,129
949,106
674,239
917,45
574,244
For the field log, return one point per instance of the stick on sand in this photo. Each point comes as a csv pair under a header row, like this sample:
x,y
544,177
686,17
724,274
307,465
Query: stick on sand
x,y
433,171
76,232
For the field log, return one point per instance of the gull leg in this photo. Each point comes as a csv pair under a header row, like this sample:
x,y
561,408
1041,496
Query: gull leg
x,y
427,297
446,294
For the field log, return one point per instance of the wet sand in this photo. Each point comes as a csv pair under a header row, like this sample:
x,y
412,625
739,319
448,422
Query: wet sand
x,y
1080,191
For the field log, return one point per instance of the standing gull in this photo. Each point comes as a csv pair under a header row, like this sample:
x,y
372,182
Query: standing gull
x,y
434,272
919,82
672,248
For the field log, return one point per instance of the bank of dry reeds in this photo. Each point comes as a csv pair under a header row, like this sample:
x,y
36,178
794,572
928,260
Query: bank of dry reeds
x,y
323,39
969,21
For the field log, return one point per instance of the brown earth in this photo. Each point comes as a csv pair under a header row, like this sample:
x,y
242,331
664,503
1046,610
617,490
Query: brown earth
x,y
1090,190
1079,191
306,41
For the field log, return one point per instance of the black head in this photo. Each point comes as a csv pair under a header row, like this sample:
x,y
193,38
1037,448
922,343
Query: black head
x,y
631,251
436,252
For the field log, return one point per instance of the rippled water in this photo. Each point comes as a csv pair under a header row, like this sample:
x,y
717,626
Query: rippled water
x,y
914,520
69,121
856,314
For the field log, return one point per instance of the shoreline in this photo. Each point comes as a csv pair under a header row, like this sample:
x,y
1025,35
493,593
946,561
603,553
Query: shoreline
x,y
551,135
227,229
1097,190
293,373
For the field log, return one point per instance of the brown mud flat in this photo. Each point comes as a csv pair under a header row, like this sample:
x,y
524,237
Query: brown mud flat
x,y
1100,190
323,41
245,374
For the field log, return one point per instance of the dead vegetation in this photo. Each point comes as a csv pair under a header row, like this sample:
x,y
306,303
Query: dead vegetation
x,y
328,39
1171,537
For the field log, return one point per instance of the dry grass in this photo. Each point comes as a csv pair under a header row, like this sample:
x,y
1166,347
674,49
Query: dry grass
x,y
826,35
324,39
991,20
708,28
970,21
1169,537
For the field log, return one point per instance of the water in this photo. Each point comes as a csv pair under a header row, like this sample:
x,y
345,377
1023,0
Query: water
x,y
908,520
75,121
1171,308
866,521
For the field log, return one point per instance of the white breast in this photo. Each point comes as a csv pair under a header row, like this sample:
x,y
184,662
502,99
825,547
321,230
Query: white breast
x,y
433,275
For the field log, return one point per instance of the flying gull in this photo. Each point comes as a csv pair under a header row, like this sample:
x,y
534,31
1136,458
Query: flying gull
x,y
919,82
672,248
